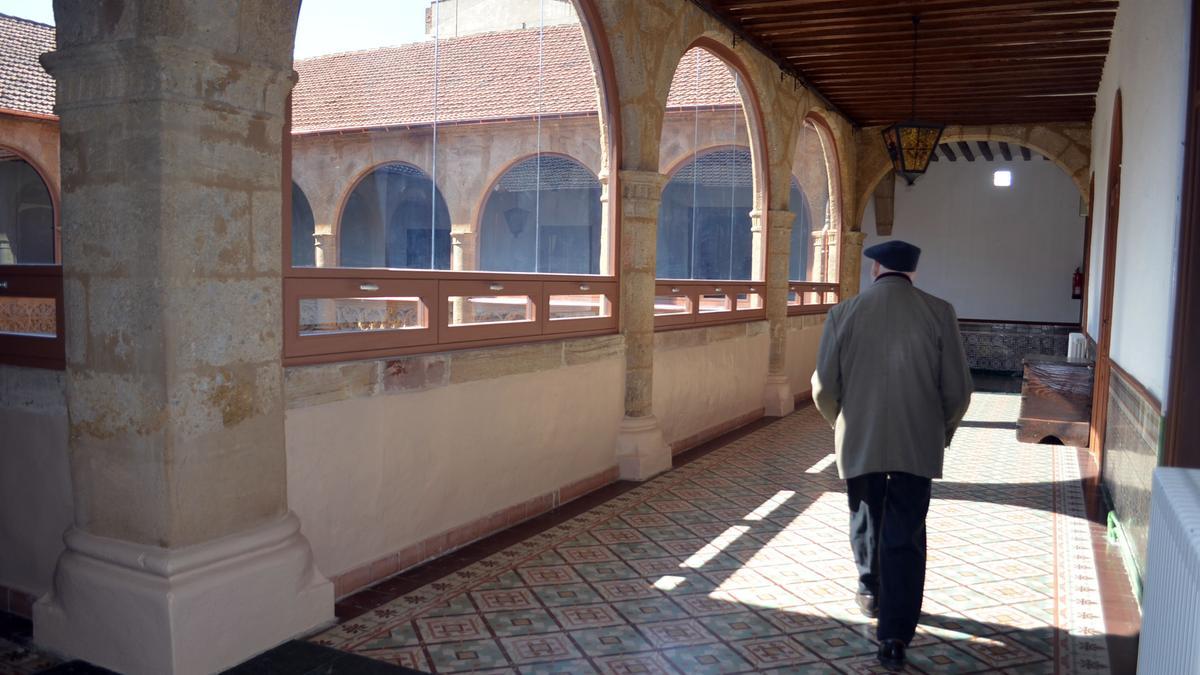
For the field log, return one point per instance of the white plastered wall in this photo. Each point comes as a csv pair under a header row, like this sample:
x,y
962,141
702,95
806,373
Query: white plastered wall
x,y
701,386
1148,63
803,340
996,254
371,476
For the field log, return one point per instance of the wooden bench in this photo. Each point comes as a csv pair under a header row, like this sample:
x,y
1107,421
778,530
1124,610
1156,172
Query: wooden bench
x,y
1056,401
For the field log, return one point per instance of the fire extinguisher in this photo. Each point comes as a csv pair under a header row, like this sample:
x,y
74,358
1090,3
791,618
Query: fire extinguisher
x,y
1077,284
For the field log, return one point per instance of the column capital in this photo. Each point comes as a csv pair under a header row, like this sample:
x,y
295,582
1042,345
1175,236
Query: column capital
x,y
641,194
854,238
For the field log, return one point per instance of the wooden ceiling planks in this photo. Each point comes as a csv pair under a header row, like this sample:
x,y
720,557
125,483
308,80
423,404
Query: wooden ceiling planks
x,y
978,62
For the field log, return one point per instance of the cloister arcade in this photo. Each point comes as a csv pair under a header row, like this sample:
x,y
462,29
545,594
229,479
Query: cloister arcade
x,y
279,334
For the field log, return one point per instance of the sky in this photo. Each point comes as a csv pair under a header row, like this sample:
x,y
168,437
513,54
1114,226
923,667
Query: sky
x,y
326,26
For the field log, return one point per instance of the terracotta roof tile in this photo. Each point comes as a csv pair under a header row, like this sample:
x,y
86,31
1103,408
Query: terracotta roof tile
x,y
24,85
490,76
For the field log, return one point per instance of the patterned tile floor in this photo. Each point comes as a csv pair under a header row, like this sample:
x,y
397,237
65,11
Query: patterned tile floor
x,y
739,562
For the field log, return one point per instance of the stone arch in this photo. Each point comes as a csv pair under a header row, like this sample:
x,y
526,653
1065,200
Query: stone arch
x,y
1067,145
439,215
487,230
833,165
751,105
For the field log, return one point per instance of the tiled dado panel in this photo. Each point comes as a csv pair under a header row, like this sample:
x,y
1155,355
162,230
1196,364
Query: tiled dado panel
x,y
1002,346
1131,442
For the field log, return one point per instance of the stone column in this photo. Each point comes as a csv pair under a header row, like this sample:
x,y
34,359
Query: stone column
x,y
608,263
326,254
641,450
464,250
758,270
183,557
850,273
820,256
778,399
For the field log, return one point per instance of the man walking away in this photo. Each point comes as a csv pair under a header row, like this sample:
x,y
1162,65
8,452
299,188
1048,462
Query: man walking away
x,y
893,381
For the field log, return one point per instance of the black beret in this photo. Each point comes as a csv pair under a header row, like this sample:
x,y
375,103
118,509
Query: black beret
x,y
897,255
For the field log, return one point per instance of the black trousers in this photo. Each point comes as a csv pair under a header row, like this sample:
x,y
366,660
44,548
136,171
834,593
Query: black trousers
x,y
887,534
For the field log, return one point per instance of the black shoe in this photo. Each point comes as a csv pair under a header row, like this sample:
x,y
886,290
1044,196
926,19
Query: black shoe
x,y
891,655
868,604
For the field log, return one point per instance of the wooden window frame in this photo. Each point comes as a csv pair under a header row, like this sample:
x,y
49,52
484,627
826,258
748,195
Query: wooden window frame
x,y
435,288
36,281
693,289
824,288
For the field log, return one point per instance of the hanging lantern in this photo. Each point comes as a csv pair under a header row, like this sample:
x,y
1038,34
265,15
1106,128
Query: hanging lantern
x,y
911,144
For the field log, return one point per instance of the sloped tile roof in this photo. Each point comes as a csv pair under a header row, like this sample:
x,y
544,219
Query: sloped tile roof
x,y
24,85
490,76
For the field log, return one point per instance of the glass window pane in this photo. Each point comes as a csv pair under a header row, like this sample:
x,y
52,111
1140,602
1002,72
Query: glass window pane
x,y
26,214
29,317
564,307
704,222
550,204
749,301
672,305
714,302
465,137
476,309
395,217
304,244
812,255
323,316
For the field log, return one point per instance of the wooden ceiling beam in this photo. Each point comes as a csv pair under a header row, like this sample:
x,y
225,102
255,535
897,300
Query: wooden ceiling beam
x,y
781,9
948,152
900,22
1026,154
950,37
959,88
985,150
978,62
968,49
1005,152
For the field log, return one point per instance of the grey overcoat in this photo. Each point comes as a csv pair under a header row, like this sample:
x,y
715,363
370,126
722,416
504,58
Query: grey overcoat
x,y
892,379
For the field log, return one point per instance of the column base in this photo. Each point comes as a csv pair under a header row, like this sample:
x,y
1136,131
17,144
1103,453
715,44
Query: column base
x,y
199,609
778,399
641,451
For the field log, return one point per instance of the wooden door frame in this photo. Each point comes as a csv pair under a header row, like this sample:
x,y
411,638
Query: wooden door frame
x,y
1087,255
1112,197
1181,447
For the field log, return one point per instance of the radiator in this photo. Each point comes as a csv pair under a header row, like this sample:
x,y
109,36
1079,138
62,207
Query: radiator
x,y
1170,640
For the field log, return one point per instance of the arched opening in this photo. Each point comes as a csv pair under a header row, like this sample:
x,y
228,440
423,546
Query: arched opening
x,y
395,217
800,255
303,230
815,235
705,221
27,234
549,204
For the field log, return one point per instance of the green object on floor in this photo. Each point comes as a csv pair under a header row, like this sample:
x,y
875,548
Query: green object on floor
x,y
1116,535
